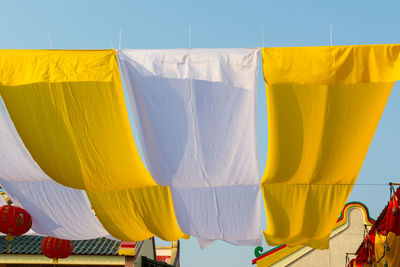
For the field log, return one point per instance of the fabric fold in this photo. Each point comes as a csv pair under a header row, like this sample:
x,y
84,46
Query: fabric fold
x,y
324,104
137,214
56,210
195,112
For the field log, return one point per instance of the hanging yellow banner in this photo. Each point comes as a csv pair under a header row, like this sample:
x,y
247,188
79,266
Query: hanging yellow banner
x,y
324,104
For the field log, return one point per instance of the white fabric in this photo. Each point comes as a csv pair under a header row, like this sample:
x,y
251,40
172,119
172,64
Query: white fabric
x,y
3,201
196,117
56,210
16,164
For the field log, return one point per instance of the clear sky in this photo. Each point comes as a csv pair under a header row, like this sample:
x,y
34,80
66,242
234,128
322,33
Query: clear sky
x,y
88,24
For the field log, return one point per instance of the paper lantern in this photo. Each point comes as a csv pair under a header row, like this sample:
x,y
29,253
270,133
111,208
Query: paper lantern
x,y
56,248
14,221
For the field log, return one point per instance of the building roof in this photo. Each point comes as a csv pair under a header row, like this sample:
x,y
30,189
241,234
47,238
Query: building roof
x,y
30,244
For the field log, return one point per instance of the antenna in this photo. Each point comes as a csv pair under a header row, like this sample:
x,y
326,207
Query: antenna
x,y
331,30
262,32
120,38
190,37
50,42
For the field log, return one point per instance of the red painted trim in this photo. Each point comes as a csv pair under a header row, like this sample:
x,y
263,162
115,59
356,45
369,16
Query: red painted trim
x,y
126,244
254,261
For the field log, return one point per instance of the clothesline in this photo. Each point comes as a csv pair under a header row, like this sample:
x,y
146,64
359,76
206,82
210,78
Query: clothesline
x,y
347,184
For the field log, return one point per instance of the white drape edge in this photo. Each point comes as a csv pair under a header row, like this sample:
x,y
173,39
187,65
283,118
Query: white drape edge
x,y
231,213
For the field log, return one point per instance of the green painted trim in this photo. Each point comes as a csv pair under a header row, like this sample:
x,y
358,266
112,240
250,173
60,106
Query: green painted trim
x,y
355,202
258,250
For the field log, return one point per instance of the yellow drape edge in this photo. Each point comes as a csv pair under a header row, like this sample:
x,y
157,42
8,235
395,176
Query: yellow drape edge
x,y
324,104
302,214
19,67
137,214
69,109
331,64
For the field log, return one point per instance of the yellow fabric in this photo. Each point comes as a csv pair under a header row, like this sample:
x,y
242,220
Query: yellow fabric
x,y
393,255
328,65
324,104
19,67
137,214
69,109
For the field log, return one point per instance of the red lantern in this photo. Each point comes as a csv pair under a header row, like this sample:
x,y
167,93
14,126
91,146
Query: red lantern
x,y
14,221
56,248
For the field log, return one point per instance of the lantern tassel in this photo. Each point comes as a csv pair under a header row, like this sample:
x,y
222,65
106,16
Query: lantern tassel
x,y
387,248
386,264
9,238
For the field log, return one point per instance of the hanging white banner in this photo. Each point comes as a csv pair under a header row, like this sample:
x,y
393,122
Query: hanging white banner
x,y
195,112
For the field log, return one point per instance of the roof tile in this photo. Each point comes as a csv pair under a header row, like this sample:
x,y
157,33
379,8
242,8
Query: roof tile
x,y
30,244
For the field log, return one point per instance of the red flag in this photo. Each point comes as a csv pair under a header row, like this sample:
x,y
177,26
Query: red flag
x,y
392,218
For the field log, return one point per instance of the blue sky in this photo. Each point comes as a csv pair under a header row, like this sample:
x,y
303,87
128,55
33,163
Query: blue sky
x,y
151,24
